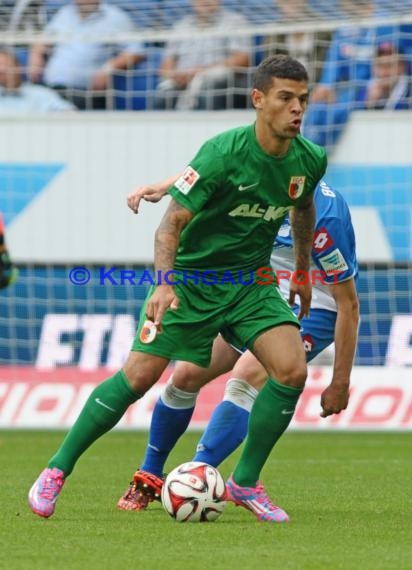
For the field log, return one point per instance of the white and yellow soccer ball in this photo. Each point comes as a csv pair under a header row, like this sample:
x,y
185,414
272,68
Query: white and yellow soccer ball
x,y
194,492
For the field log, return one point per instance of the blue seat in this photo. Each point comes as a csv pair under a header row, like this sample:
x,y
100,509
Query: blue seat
x,y
173,10
22,54
52,6
325,8
133,88
258,11
144,13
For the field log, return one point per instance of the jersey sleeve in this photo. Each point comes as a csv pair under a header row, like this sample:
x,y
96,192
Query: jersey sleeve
x,y
333,250
318,169
323,165
201,179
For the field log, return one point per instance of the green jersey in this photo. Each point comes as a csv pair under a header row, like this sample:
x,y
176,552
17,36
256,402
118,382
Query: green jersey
x,y
240,196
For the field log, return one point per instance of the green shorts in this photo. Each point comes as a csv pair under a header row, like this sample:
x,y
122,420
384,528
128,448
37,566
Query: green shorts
x,y
239,312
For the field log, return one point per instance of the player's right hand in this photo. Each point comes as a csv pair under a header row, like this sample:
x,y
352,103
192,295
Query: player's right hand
x,y
163,298
304,290
334,398
148,193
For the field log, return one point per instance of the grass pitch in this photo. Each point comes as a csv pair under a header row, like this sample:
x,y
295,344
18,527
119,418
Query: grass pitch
x,y
348,496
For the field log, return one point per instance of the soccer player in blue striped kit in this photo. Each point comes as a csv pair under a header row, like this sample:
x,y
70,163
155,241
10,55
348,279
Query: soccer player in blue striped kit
x,y
333,317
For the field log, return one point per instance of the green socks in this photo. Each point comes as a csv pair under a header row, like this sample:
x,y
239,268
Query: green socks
x,y
269,418
104,408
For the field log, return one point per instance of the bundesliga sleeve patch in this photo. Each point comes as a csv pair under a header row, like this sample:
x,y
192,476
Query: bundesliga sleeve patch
x,y
188,179
334,261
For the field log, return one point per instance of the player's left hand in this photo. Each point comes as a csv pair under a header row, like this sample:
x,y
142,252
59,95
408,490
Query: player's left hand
x,y
150,193
334,399
304,290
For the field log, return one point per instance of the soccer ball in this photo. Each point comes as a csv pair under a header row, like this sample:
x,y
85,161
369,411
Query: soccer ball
x,y
194,492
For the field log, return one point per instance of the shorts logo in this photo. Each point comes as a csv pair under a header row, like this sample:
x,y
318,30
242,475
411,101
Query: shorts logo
x,y
188,179
334,261
308,343
322,240
148,332
296,186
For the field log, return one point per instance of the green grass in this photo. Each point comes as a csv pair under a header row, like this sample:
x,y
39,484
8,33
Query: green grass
x,y
349,497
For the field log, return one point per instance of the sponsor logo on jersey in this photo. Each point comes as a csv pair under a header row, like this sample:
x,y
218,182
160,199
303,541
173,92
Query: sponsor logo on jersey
x,y
334,261
322,240
269,213
188,179
308,343
296,186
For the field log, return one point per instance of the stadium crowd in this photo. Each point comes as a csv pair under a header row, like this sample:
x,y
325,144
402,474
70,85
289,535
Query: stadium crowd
x,y
203,60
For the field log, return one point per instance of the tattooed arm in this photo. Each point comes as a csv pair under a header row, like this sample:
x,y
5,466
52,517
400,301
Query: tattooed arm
x,y
167,240
303,223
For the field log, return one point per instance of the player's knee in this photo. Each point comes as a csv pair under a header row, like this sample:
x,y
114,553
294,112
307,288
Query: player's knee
x,y
176,397
295,375
143,371
189,377
250,370
188,382
139,382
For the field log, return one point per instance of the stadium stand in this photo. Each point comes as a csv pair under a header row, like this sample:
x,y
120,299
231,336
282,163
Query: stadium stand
x,y
132,89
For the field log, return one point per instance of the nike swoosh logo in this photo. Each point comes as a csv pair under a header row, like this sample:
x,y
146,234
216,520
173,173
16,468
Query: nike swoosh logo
x,y
286,412
98,401
243,188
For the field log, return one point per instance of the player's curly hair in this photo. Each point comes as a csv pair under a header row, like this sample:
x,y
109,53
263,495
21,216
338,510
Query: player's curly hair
x,y
279,65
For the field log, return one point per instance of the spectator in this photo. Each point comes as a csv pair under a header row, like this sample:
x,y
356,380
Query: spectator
x,y
8,271
307,46
17,96
198,68
22,15
347,68
81,71
390,86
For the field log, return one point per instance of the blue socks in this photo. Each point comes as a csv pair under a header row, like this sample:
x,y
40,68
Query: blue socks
x,y
171,416
228,425
226,430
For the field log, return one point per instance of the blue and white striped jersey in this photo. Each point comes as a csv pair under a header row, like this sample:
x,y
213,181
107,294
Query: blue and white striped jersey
x,y
333,249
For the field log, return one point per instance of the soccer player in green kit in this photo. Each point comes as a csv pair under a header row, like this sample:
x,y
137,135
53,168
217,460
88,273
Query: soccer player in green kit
x,y
219,227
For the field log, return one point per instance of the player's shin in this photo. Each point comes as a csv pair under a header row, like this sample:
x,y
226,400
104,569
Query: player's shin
x,y
269,418
171,416
103,409
227,427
